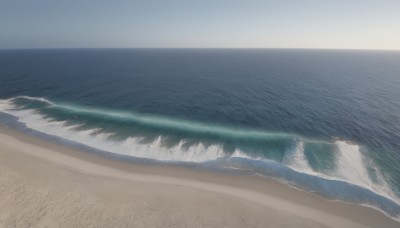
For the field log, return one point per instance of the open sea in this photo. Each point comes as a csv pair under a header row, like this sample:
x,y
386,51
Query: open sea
x,y
325,121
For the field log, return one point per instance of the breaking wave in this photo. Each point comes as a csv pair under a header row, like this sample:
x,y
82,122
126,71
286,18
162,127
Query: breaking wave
x,y
339,164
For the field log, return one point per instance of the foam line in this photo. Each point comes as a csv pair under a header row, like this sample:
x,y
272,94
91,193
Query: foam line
x,y
131,146
297,160
350,166
32,98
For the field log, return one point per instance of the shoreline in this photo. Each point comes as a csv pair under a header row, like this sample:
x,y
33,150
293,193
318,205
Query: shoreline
x,y
277,201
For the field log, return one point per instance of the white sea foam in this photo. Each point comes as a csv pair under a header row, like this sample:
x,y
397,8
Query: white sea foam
x,y
350,164
153,120
6,105
42,99
131,146
297,160
240,154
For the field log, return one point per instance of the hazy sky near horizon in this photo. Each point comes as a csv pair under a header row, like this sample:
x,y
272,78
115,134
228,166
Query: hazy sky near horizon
x,y
354,24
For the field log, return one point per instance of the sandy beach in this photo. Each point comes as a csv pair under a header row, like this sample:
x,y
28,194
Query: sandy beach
x,y
49,185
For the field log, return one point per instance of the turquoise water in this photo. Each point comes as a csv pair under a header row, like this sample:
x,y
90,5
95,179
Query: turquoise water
x,y
324,121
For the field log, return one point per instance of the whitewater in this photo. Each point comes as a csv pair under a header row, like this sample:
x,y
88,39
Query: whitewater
x,y
282,156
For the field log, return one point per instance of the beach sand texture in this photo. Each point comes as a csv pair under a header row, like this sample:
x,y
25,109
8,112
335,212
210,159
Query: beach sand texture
x,y
48,185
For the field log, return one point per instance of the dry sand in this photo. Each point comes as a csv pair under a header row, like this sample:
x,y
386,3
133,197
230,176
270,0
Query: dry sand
x,y
47,185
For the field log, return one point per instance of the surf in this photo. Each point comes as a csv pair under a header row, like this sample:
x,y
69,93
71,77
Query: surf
x,y
281,155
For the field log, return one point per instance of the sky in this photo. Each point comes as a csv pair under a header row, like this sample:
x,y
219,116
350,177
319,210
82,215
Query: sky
x,y
332,24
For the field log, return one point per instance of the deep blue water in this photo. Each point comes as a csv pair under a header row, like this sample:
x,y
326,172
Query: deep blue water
x,y
325,120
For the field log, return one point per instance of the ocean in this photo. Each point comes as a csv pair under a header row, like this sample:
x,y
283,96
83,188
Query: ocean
x,y
325,121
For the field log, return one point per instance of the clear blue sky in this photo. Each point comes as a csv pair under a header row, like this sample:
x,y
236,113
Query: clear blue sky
x,y
354,24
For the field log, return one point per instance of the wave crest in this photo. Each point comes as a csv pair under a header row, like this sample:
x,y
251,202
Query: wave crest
x,y
200,142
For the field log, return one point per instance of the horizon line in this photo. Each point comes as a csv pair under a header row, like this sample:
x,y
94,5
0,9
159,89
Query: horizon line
x,y
285,48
